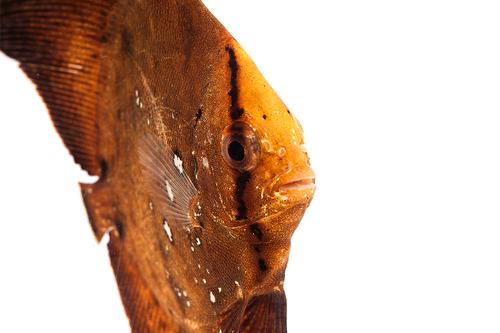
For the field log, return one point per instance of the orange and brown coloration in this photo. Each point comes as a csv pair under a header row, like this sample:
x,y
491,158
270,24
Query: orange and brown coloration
x,y
203,176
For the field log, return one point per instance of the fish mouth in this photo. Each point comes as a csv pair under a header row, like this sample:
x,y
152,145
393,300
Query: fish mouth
x,y
297,180
302,184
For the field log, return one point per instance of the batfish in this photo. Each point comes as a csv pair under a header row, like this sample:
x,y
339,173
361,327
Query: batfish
x,y
202,171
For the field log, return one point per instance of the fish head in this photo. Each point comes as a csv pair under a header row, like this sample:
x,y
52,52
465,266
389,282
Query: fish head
x,y
255,178
262,156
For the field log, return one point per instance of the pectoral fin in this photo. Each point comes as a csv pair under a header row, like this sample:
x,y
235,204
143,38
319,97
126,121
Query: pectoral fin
x,y
168,184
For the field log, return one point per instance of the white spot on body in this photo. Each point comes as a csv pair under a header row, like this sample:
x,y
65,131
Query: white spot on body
x,y
280,196
198,241
184,293
219,289
178,163
237,283
204,161
212,297
75,66
151,206
168,230
188,303
192,249
204,281
170,193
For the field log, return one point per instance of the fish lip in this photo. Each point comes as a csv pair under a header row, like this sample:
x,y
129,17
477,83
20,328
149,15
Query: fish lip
x,y
301,184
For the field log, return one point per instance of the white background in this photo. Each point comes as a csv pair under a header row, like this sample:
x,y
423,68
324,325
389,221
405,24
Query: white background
x,y
400,103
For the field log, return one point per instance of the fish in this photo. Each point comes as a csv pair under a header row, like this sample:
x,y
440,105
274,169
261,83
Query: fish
x,y
202,172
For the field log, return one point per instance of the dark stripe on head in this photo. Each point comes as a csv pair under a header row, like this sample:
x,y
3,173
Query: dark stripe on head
x,y
255,229
241,184
262,265
235,111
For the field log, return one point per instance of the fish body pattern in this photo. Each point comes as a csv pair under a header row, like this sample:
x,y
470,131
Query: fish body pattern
x,y
203,174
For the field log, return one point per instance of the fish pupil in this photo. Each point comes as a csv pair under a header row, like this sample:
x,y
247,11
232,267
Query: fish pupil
x,y
236,151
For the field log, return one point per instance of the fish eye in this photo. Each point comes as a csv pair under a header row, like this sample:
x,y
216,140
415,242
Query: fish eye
x,y
236,151
239,146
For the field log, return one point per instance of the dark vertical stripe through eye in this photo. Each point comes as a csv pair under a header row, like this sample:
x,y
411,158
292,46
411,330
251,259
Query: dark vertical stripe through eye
x,y
235,111
241,184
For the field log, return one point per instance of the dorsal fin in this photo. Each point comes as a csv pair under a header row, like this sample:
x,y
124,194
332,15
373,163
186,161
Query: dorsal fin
x,y
46,38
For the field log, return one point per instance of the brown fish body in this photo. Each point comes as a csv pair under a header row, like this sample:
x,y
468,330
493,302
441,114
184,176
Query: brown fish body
x,y
202,173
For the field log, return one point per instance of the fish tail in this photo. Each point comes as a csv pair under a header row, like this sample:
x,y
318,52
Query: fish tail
x,y
58,44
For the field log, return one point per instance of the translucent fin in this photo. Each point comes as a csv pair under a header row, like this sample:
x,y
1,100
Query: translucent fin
x,y
47,38
169,185
265,314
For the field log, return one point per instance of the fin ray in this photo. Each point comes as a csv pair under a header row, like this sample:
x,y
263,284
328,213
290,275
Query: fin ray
x,y
169,185
265,314
231,318
46,38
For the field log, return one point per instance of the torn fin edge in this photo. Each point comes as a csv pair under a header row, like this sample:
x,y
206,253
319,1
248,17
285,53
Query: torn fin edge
x,y
100,210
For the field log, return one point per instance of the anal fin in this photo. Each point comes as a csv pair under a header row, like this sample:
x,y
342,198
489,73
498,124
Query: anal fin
x,y
143,309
